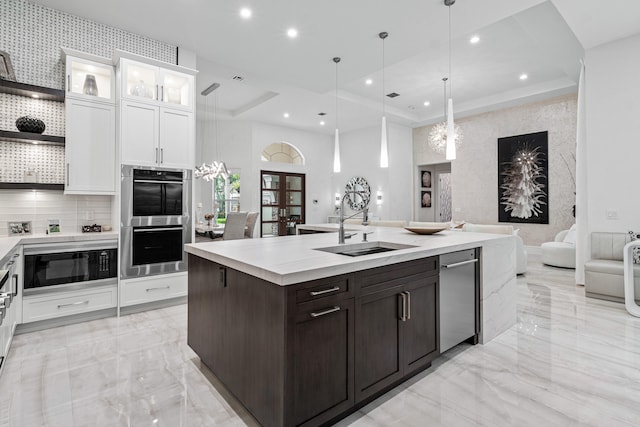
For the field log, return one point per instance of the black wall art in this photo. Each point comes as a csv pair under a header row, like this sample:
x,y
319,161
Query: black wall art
x,y
523,185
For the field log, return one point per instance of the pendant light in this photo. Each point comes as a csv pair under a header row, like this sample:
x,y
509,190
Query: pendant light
x,y
450,153
336,140
209,172
384,149
439,132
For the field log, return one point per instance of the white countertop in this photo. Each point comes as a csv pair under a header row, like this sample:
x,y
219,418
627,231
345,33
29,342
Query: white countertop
x,y
7,244
292,259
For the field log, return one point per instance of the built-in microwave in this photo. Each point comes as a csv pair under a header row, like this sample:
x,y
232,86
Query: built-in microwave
x,y
48,265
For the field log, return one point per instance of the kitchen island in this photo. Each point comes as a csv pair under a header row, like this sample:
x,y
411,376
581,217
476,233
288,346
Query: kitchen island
x,y
302,336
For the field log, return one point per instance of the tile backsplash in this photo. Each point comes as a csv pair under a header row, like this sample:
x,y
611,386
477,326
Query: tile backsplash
x,y
33,35
41,206
16,158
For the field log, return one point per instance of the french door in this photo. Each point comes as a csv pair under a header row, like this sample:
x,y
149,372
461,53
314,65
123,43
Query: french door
x,y
282,203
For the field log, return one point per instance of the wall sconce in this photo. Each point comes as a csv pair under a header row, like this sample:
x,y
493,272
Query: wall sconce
x,y
379,198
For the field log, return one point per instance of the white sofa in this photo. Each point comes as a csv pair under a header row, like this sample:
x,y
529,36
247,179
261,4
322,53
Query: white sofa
x,y
559,253
604,272
521,253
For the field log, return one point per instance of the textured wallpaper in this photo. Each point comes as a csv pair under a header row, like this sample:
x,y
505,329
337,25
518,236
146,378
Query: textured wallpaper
x,y
33,35
474,174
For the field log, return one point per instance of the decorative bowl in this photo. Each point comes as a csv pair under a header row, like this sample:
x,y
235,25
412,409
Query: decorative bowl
x,y
30,124
427,230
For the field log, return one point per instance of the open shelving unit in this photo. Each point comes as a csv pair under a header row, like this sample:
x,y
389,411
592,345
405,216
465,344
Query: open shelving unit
x,y
36,92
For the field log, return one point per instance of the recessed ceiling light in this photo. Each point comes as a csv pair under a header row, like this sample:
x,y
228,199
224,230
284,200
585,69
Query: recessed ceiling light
x,y
286,115
523,77
292,33
474,39
426,103
322,123
369,81
245,12
35,95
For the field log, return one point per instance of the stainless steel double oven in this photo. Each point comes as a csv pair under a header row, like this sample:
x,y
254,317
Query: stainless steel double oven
x,y
155,220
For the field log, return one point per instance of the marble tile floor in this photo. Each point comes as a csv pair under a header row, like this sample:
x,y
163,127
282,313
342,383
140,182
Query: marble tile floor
x,y
569,361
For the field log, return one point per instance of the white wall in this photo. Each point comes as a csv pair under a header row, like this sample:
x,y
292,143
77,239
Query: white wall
x,y
474,174
613,132
240,145
360,156
318,152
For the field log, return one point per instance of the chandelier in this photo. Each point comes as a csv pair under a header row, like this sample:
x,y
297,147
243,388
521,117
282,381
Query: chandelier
x,y
209,172
438,133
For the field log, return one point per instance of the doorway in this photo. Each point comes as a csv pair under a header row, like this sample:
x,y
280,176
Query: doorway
x,y
443,200
282,198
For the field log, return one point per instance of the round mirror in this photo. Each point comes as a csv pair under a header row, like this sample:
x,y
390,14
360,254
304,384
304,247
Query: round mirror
x,y
358,193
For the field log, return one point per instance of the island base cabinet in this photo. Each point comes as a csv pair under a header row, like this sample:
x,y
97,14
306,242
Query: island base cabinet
x,y
322,361
310,353
397,330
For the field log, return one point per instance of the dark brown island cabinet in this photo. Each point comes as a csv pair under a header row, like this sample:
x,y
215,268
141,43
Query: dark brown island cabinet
x,y
310,353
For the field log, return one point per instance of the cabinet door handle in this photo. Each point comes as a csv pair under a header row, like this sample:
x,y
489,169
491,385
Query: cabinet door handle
x,y
162,155
408,305
15,285
157,92
158,288
402,303
162,93
68,82
156,154
327,311
68,174
223,277
73,303
325,291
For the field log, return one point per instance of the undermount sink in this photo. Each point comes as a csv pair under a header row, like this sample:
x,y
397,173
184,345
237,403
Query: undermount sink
x,y
364,248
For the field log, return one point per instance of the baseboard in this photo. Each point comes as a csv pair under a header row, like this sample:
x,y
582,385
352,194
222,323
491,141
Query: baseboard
x,y
40,325
152,305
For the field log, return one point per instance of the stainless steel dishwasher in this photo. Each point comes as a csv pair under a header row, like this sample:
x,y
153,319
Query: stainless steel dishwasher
x,y
458,303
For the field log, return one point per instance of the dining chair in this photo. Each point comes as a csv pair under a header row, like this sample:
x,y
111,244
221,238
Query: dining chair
x,y
234,227
252,217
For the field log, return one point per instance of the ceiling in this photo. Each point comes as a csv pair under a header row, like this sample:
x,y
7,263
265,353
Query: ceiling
x,y
544,39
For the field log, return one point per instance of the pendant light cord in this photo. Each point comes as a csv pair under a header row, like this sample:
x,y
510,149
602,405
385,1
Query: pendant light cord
x,y
383,109
336,60
450,85
444,105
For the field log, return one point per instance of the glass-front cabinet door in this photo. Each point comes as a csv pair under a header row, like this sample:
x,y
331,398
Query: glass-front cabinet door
x,y
139,81
176,88
89,77
283,200
147,82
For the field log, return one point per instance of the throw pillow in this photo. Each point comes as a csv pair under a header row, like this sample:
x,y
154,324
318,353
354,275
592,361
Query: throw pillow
x,y
570,237
636,251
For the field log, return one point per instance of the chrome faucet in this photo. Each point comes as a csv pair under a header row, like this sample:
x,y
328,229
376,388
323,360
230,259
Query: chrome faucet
x,y
365,218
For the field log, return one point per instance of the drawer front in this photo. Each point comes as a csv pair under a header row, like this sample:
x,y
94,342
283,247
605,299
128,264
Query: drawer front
x,y
154,288
323,288
67,303
389,273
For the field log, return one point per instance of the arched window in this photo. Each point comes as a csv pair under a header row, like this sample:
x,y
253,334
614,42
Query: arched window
x,y
282,152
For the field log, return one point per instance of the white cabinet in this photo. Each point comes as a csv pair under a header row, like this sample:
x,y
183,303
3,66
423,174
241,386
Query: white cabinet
x,y
90,148
60,304
156,119
89,77
152,288
149,82
156,136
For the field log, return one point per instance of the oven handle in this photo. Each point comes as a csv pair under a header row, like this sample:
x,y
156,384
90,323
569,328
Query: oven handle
x,y
142,230
151,181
